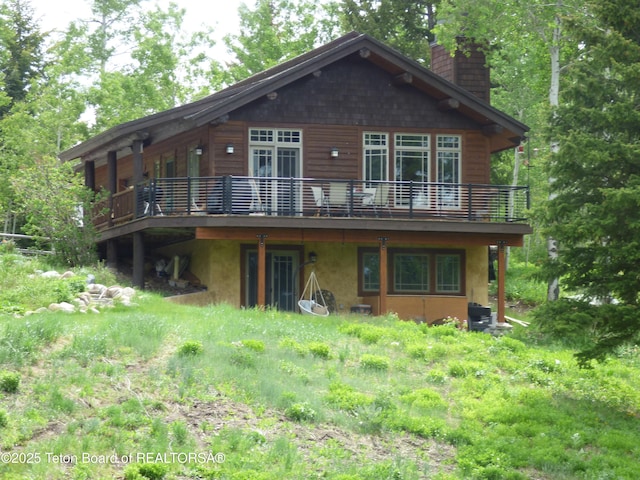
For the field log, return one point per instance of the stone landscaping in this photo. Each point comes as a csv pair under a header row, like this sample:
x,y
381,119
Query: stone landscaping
x,y
95,296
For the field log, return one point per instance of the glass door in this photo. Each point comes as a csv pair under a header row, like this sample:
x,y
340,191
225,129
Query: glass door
x,y
281,291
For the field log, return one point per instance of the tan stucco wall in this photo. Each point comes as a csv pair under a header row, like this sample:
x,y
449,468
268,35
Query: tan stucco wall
x,y
217,264
337,271
478,275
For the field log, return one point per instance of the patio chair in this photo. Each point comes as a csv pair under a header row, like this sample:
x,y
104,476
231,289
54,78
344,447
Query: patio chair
x,y
381,198
338,195
320,198
256,201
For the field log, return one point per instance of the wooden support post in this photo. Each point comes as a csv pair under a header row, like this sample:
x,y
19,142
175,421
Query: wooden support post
x,y
138,164
90,175
138,260
112,254
262,271
112,175
501,280
383,275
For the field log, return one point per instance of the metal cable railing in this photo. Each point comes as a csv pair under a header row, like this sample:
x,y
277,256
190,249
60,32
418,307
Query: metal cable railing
x,y
279,196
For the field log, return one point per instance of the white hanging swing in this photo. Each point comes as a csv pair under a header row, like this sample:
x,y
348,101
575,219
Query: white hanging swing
x,y
309,302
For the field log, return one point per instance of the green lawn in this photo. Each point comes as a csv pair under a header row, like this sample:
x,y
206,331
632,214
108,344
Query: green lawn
x,y
160,390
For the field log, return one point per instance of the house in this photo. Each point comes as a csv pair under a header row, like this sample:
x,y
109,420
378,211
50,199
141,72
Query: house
x,y
351,161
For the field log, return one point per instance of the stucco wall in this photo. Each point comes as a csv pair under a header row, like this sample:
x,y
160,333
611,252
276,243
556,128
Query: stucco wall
x,y
478,275
217,264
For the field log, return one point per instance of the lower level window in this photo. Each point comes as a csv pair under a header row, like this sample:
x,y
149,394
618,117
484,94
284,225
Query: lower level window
x,y
413,271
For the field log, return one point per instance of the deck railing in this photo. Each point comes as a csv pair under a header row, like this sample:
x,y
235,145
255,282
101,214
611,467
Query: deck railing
x,y
276,196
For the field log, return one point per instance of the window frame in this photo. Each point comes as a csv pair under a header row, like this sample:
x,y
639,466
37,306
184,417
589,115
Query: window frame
x,y
432,253
421,194
367,152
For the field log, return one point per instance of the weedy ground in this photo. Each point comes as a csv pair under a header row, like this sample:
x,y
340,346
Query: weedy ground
x,y
160,390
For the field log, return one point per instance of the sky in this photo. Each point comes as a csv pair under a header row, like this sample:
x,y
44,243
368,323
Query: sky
x,y
219,14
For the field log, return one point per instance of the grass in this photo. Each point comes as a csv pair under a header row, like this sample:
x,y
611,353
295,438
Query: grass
x,y
166,391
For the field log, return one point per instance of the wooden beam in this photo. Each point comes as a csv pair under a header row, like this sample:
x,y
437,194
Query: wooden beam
x,y
262,271
90,175
384,272
138,260
493,129
501,281
299,235
404,78
112,254
448,104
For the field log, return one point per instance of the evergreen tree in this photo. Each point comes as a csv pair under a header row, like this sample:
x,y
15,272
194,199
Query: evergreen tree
x,y
595,212
406,25
21,44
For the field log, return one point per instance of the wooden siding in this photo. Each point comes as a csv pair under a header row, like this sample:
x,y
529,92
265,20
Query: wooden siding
x,y
476,167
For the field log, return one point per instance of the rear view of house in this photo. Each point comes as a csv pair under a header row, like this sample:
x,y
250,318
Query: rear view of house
x,y
352,161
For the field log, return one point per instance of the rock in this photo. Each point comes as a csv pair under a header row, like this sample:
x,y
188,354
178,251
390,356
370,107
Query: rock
x,y
97,289
114,292
62,307
68,274
50,274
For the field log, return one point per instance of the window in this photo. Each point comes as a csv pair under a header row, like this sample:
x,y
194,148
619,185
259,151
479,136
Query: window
x,y
413,271
447,273
376,156
276,153
370,271
448,170
410,272
412,165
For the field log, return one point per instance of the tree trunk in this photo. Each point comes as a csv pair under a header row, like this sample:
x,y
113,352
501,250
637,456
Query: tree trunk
x,y
553,288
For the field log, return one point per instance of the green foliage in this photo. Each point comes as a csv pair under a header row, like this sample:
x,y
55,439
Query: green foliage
x,y
300,412
598,330
149,471
9,381
4,418
594,211
374,362
345,397
273,32
320,350
255,345
58,207
190,348
405,25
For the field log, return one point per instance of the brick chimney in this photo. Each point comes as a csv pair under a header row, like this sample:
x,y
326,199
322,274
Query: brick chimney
x,y
470,73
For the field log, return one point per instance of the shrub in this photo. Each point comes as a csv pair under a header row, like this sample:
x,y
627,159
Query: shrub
x,y
374,362
255,345
149,471
300,412
345,397
190,348
4,420
9,382
319,349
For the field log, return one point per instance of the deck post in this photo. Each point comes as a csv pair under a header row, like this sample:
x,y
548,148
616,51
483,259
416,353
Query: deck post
x,y
112,175
138,260
501,280
112,254
262,270
383,275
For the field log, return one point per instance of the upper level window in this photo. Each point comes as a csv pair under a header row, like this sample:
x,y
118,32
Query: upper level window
x,y
376,156
448,154
412,162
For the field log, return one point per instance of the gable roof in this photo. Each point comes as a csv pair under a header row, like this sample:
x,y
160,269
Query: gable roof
x,y
216,107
